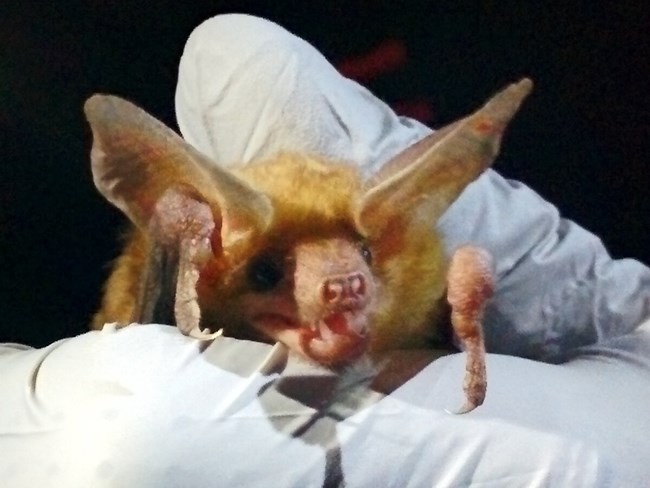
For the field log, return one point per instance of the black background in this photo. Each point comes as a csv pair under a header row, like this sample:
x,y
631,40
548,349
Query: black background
x,y
582,140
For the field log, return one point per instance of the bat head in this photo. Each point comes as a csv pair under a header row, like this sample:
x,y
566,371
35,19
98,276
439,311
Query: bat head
x,y
296,249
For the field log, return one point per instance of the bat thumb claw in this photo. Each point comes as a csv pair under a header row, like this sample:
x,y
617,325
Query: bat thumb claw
x,y
205,334
466,408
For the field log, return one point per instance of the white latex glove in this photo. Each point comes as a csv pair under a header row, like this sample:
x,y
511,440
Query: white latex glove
x,y
145,406
248,88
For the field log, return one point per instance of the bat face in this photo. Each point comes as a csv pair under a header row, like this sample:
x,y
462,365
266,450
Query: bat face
x,y
307,279
317,298
293,249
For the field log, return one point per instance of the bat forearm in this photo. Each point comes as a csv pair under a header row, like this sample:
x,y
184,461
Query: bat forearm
x,y
470,285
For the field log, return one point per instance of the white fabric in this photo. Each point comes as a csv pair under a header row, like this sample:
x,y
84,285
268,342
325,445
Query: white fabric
x,y
145,406
248,88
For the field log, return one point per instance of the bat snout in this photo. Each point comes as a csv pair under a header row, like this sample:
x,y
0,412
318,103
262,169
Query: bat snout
x,y
344,289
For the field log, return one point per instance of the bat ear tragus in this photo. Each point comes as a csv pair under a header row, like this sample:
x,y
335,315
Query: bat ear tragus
x,y
136,159
425,179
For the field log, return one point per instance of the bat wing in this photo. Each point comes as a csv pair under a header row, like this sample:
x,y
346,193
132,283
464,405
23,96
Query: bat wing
x,y
157,287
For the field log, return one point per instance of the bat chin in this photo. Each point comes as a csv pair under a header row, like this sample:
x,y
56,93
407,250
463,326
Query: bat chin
x,y
335,351
338,339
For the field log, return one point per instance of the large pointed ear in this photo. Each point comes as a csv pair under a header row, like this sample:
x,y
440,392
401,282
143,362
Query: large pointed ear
x,y
136,159
427,177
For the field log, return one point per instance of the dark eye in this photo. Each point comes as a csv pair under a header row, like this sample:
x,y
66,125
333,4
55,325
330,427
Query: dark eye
x,y
366,254
264,273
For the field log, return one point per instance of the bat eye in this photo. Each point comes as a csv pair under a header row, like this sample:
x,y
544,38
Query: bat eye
x,y
264,273
366,254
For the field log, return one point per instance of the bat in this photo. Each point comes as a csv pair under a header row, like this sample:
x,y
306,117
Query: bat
x,y
297,248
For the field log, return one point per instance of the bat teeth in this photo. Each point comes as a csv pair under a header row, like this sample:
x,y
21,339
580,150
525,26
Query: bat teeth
x,y
356,322
325,332
343,322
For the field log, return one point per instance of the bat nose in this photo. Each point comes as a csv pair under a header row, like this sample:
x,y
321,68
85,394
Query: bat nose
x,y
350,287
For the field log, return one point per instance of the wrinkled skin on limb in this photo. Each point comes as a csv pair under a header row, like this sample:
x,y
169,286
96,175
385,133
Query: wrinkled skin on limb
x,y
470,285
298,249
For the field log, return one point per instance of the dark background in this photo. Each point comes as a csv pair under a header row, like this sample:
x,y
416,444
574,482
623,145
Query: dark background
x,y
582,140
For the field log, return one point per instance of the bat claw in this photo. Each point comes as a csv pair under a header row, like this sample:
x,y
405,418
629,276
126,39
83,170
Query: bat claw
x,y
466,408
205,334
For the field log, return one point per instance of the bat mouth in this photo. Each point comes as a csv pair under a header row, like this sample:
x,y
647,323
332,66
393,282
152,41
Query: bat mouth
x,y
337,339
347,322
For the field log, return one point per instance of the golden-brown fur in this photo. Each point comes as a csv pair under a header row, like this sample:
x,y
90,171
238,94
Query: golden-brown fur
x,y
312,198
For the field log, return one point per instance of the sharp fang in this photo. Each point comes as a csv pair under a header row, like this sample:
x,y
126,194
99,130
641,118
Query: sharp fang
x,y
356,322
325,332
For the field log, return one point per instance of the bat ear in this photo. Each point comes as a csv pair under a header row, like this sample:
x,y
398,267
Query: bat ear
x,y
426,178
136,159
